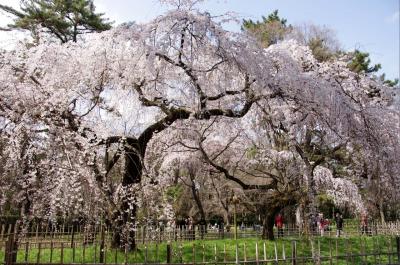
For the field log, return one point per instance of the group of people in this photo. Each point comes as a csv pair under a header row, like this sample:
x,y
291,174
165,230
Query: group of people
x,y
318,224
321,224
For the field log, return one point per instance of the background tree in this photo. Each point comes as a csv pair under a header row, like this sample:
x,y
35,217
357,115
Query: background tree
x,y
391,83
320,39
63,19
269,31
360,63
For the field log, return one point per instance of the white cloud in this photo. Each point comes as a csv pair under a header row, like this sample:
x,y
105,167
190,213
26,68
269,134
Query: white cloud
x,y
393,18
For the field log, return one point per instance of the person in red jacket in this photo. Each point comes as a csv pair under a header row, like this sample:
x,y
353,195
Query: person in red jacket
x,y
279,224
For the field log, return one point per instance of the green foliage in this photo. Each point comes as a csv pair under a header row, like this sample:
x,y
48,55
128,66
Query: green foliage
x,y
320,51
360,63
63,19
274,17
273,28
251,152
268,31
173,193
391,83
325,205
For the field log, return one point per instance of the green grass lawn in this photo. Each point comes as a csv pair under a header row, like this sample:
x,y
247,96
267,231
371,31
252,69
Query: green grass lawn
x,y
223,250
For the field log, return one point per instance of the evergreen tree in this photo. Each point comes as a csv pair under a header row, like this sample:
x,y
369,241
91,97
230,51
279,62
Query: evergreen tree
x,y
273,28
321,40
268,31
391,83
360,63
63,19
320,50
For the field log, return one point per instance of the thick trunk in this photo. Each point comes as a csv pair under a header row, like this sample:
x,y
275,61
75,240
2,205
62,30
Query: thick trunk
x,y
381,210
268,220
226,217
311,209
300,217
199,205
124,218
123,233
381,207
268,227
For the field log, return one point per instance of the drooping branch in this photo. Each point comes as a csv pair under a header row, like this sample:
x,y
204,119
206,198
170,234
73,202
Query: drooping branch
x,y
211,161
173,114
231,177
156,102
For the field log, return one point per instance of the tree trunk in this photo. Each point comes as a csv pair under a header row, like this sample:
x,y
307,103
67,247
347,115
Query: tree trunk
x,y
196,198
381,207
268,226
300,217
124,218
311,194
268,220
226,218
381,210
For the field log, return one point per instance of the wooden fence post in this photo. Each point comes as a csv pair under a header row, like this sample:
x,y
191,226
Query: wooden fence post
x,y
3,227
143,234
257,253
398,248
236,253
215,253
26,252
168,253
194,253
294,253
73,234
101,258
8,250
276,253
62,253
10,255
38,253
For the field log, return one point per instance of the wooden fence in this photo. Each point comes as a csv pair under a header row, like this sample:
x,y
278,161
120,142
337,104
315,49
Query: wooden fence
x,y
158,234
92,246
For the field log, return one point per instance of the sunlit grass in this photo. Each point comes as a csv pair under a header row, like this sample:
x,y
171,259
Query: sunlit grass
x,y
222,250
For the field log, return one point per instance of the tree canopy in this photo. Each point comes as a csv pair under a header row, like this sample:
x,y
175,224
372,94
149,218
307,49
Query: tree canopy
x,y
62,19
140,107
269,31
320,39
360,63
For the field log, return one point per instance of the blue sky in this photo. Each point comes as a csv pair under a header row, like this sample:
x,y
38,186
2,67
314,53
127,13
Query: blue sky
x,y
369,25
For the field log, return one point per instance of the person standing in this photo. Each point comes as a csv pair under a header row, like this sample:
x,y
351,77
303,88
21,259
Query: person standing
x,y
313,224
191,228
321,224
364,223
279,224
339,224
